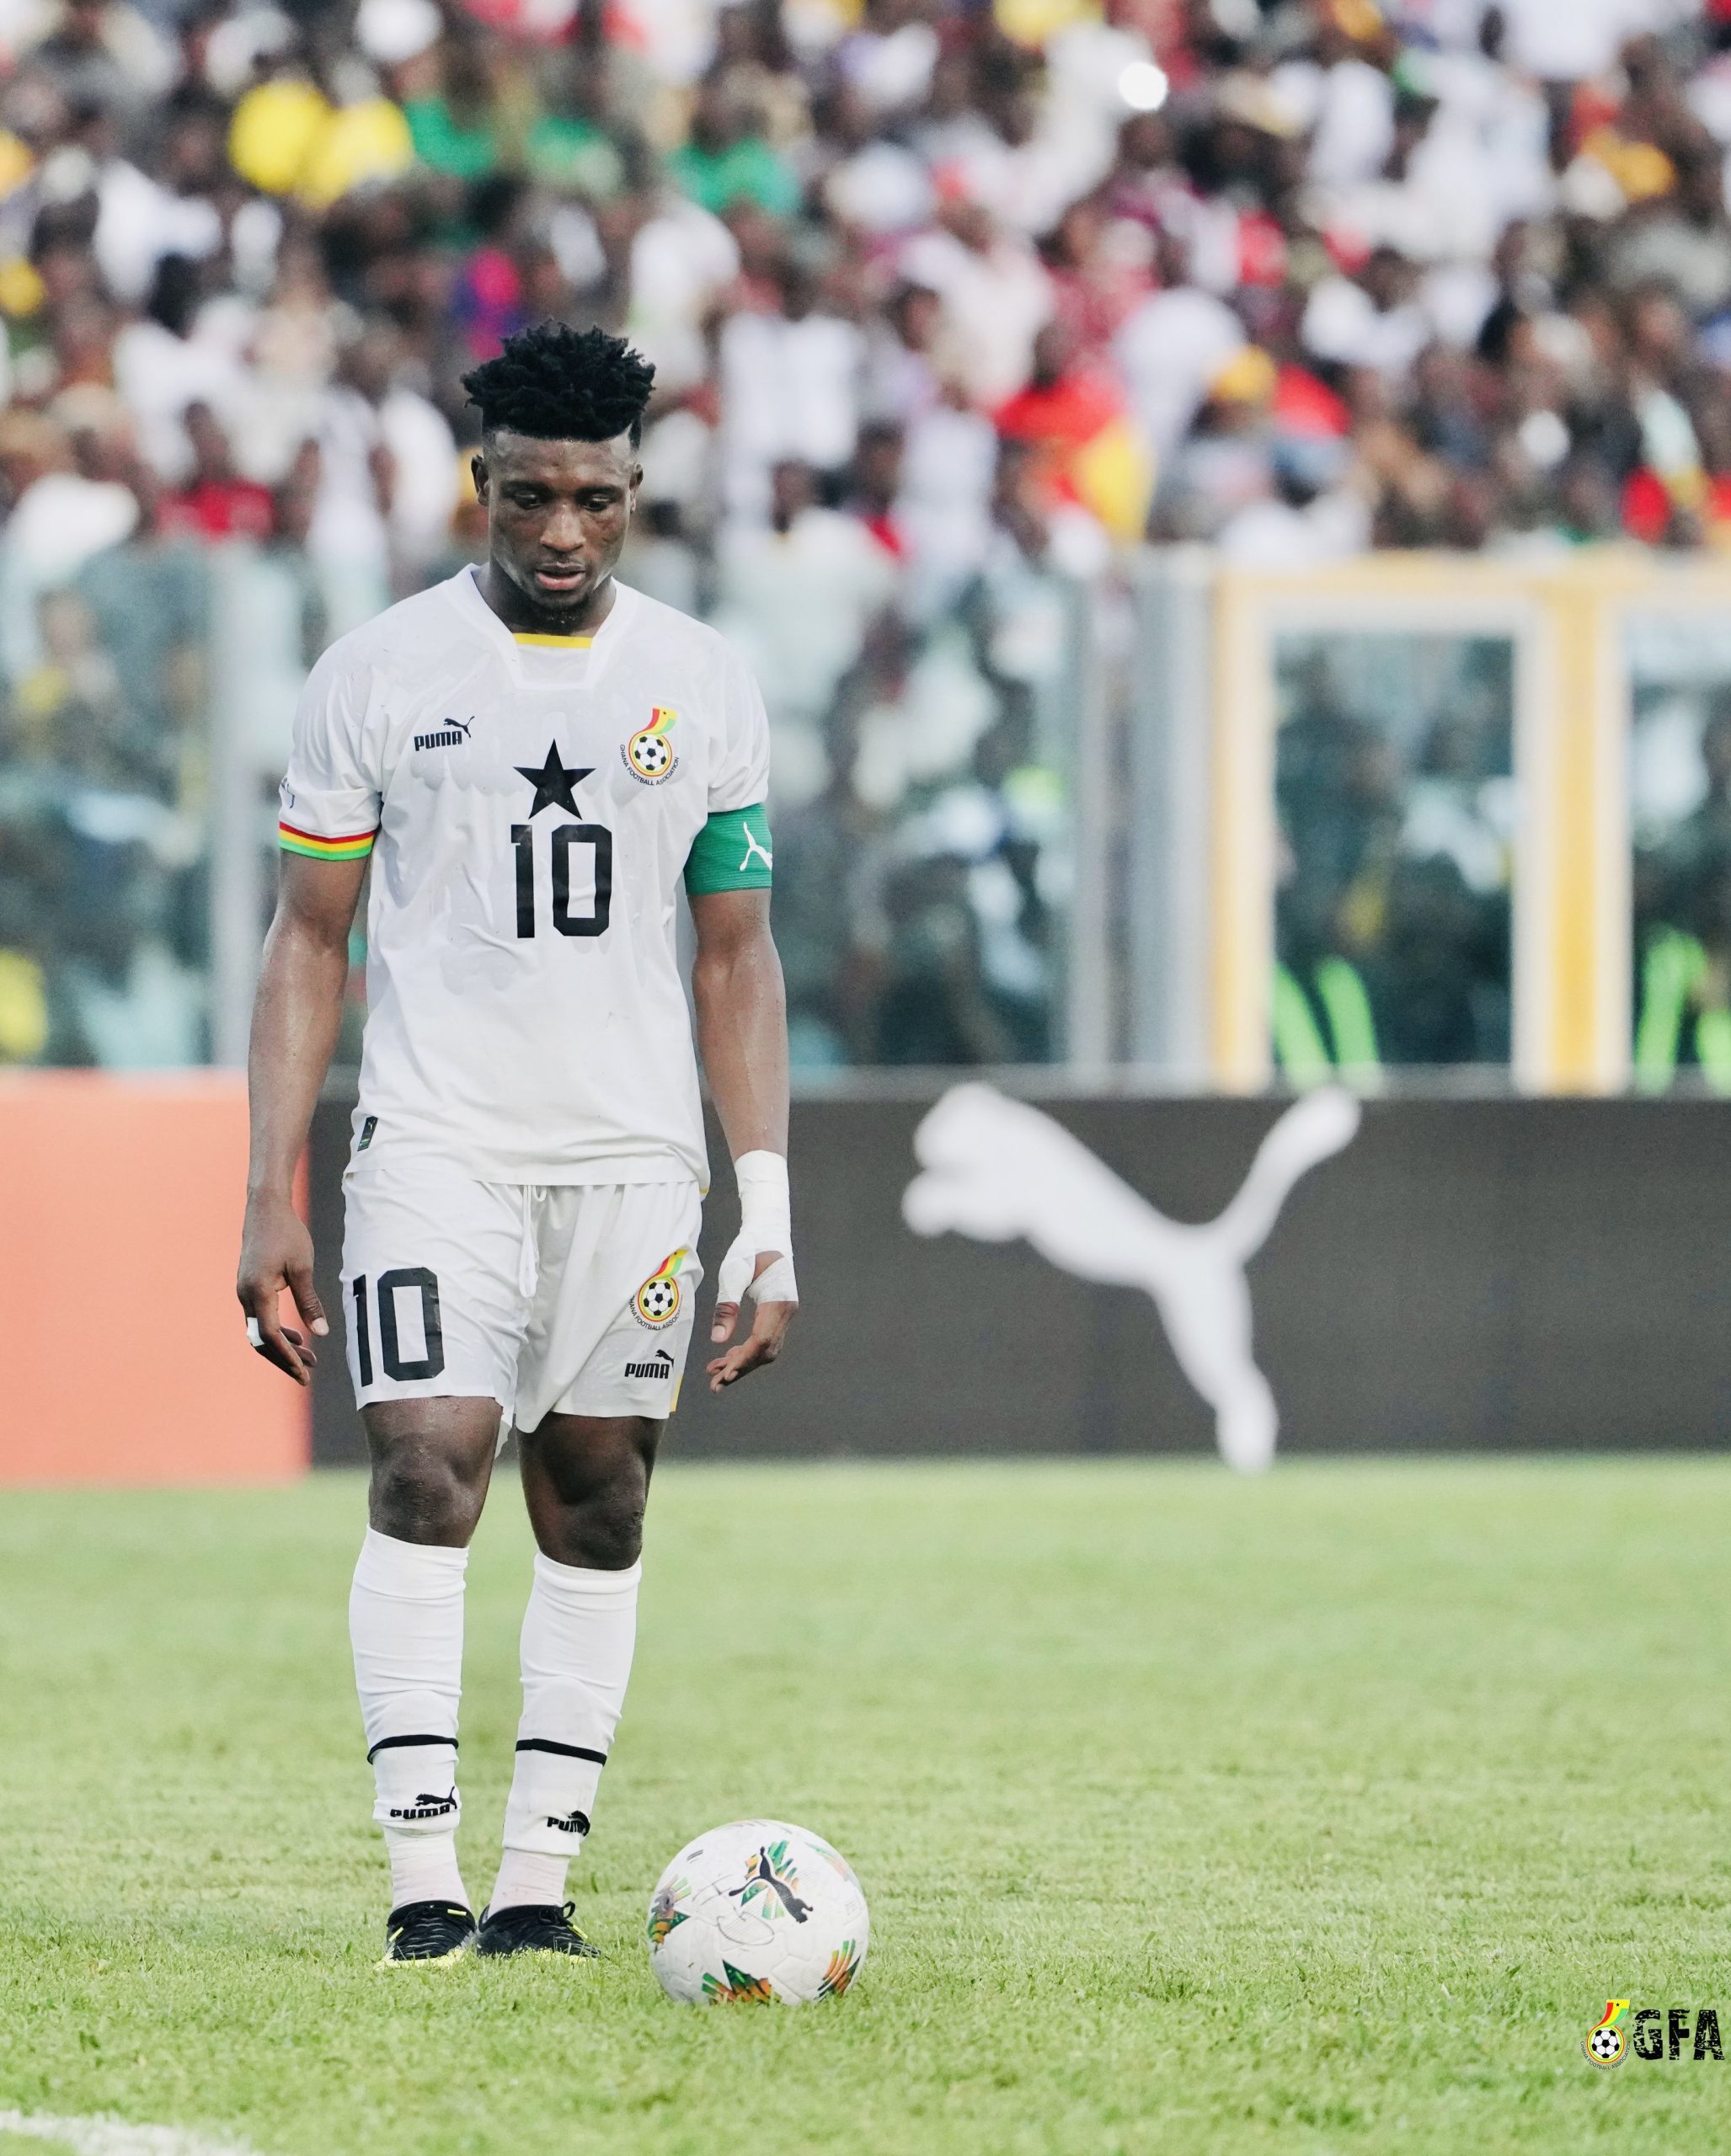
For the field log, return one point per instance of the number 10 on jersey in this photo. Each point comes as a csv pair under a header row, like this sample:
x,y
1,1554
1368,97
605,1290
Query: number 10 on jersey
x,y
564,838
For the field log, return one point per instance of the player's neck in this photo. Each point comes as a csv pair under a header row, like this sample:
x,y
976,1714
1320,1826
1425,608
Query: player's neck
x,y
522,615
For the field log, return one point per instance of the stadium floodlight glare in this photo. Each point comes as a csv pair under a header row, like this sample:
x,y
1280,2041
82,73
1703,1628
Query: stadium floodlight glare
x,y
1143,86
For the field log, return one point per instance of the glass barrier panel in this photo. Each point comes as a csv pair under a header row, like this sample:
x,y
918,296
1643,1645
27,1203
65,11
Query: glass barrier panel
x,y
1398,806
1679,816
105,810
923,782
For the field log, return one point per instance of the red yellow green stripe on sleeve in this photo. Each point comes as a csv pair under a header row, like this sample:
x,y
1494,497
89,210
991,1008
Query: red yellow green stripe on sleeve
x,y
355,847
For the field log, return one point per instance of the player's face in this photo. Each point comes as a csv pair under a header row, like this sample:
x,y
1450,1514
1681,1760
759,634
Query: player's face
x,y
557,515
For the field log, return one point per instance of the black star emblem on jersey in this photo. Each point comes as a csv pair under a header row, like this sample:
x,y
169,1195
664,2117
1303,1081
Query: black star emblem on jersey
x,y
555,786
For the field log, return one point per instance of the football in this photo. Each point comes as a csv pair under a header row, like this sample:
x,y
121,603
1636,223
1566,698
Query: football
x,y
1605,2044
757,1911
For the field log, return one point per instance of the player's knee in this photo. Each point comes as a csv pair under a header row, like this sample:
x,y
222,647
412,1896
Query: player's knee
x,y
421,1496
599,1523
588,1485
606,1534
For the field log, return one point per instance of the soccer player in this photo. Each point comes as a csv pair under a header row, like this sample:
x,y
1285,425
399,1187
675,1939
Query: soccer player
x,y
532,756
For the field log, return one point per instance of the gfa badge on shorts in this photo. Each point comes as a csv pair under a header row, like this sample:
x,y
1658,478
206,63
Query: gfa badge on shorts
x,y
656,1303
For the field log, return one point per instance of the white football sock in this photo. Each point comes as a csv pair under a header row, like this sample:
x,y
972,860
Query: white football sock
x,y
578,1635
405,1623
526,1881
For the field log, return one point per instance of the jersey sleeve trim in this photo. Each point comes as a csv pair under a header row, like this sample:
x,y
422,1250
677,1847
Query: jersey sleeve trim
x,y
355,847
732,852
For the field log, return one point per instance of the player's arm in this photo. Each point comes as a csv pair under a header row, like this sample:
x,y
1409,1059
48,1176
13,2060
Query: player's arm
x,y
296,1018
742,1035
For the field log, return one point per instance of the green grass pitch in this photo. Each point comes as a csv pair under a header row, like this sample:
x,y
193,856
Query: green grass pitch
x,y
1321,1813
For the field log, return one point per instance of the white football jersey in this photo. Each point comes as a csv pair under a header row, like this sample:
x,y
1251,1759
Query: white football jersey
x,y
535,803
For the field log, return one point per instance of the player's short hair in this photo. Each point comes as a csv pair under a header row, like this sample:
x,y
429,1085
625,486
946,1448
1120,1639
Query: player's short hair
x,y
561,384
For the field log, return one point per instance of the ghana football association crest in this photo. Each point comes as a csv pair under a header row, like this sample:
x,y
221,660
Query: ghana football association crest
x,y
656,1303
1606,2042
650,755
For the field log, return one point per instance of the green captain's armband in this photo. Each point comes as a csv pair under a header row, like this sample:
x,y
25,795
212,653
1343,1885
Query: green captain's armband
x,y
731,852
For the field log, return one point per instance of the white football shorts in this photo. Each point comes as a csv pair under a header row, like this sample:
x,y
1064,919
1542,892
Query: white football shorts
x,y
576,1299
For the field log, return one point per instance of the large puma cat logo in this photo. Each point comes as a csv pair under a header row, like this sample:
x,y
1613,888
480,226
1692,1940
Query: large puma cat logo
x,y
995,1168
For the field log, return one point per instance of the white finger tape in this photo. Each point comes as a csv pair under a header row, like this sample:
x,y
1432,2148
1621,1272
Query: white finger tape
x,y
254,1333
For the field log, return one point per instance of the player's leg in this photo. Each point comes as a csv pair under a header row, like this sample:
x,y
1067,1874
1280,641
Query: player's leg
x,y
602,1362
433,1275
431,1459
586,1480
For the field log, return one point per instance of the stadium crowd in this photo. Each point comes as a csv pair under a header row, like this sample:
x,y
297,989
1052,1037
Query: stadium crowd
x,y
946,302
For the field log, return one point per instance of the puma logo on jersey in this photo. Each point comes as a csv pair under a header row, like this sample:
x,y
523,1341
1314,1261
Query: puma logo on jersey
x,y
762,853
454,733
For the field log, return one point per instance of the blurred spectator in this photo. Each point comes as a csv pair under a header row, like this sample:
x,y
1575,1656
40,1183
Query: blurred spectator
x,y
1683,923
1172,347
1683,1017
65,509
161,367
104,54
994,293
215,503
1073,417
830,860
798,598
789,380
725,160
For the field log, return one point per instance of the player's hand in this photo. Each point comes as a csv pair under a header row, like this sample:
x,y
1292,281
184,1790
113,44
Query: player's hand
x,y
276,1253
762,1345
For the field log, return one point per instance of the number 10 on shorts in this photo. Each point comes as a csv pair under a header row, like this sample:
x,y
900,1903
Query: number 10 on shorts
x,y
401,1279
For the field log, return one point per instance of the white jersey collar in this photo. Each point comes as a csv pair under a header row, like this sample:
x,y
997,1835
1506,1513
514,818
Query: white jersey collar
x,y
518,645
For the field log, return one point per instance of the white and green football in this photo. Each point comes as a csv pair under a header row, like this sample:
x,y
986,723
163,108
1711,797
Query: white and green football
x,y
757,1911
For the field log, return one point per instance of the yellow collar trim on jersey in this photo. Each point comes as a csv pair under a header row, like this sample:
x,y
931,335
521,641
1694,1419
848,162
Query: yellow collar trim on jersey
x,y
552,643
